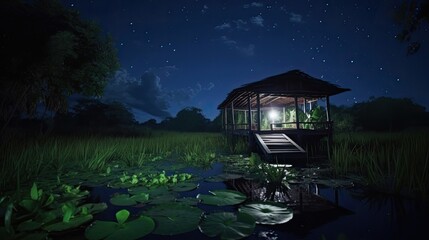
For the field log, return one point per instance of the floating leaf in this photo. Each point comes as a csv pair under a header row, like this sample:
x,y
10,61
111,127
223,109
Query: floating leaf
x,y
135,229
188,201
122,216
28,226
172,219
227,225
72,223
184,186
94,208
268,213
222,198
127,200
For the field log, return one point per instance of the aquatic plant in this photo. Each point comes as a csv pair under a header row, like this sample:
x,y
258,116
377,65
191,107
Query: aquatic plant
x,y
121,229
395,163
269,213
227,225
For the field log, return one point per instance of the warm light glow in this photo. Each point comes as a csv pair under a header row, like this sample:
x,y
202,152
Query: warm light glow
x,y
273,115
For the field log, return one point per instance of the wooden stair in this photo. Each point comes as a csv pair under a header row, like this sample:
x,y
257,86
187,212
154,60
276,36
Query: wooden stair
x,y
278,143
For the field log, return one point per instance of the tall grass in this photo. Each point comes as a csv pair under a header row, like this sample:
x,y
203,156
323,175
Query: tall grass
x,y
395,163
24,160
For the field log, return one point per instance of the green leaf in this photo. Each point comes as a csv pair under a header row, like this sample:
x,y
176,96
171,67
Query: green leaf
x,y
227,225
184,187
172,219
127,200
8,218
135,229
28,204
29,226
72,223
94,208
222,198
34,193
268,213
67,212
122,216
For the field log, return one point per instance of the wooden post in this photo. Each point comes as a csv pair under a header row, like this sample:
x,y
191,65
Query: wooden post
x,y
328,109
233,117
296,112
249,113
330,137
304,107
225,110
258,103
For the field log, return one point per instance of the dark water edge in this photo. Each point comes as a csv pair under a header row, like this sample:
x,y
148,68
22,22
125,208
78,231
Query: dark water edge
x,y
380,217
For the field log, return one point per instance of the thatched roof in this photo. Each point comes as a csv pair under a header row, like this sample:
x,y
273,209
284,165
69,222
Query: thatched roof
x,y
280,88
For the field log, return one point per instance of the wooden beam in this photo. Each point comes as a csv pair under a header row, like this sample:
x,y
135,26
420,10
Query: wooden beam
x,y
328,109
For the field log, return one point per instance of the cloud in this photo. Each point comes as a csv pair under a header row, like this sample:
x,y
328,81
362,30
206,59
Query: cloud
x,y
223,26
257,20
248,50
146,94
253,4
240,24
294,17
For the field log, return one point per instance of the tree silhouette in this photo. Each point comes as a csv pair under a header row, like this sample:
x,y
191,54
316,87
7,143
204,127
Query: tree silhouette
x,y
47,54
410,16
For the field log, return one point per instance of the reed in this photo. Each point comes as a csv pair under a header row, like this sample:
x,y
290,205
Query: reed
x,y
394,163
25,160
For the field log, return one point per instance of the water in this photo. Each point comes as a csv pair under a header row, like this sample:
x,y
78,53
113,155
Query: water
x,y
370,217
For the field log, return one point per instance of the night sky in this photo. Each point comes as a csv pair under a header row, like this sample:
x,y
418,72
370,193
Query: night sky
x,y
179,53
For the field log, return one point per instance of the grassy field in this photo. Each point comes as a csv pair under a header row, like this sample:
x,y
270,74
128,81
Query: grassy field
x,y
393,163
24,160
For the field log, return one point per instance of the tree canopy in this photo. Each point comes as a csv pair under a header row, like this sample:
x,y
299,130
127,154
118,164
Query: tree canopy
x,y
48,53
410,16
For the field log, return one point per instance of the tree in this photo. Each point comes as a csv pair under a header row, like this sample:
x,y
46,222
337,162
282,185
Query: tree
x,y
95,114
188,119
47,54
388,114
410,16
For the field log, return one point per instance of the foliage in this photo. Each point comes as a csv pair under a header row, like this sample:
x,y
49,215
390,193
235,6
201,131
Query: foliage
x,y
46,211
387,114
48,54
26,159
394,163
189,119
409,16
343,118
122,228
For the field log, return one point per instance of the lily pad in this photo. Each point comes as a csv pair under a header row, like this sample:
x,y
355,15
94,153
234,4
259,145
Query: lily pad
x,y
172,219
111,230
184,186
222,197
227,225
127,200
188,201
72,223
268,213
29,226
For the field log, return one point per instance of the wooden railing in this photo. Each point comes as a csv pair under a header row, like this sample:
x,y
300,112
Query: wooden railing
x,y
282,126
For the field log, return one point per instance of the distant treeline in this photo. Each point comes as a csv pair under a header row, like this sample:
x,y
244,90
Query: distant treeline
x,y
90,116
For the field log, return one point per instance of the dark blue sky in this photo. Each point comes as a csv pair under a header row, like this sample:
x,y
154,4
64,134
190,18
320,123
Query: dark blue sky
x,y
178,53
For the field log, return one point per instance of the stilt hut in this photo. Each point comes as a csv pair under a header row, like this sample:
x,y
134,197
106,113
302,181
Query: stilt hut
x,y
282,115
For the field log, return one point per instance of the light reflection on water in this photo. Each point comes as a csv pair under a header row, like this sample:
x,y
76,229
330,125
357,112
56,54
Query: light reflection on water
x,y
380,218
